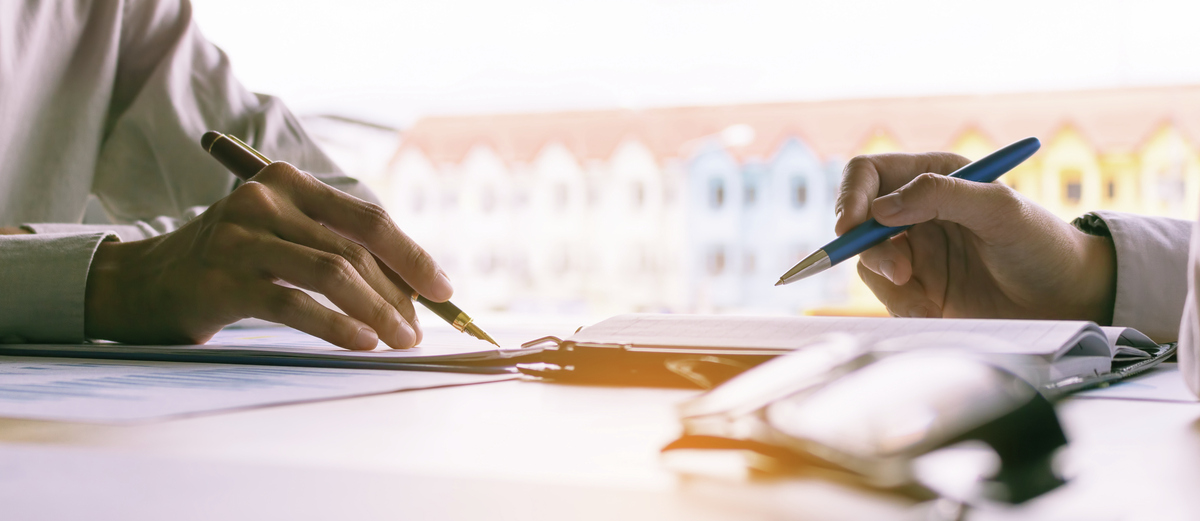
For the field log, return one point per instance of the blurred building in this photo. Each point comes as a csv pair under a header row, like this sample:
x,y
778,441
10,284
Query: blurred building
x,y
702,208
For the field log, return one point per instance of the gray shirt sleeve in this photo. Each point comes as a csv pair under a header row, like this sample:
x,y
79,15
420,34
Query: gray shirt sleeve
x,y
169,85
48,276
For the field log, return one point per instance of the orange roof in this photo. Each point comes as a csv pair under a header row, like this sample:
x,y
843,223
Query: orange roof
x,y
1115,119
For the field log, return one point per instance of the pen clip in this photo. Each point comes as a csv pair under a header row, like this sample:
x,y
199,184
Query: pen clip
x,y
248,148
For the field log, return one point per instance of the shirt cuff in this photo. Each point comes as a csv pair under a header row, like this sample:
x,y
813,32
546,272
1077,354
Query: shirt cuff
x,y
42,286
1152,254
123,232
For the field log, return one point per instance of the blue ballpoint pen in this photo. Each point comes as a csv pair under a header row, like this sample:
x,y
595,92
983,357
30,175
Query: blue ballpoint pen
x,y
870,233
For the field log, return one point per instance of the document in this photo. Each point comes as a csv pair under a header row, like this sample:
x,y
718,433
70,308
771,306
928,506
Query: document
x,y
442,347
109,391
1042,351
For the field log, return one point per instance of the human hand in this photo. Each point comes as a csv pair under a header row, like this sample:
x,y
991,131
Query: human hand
x,y
12,230
975,249
282,225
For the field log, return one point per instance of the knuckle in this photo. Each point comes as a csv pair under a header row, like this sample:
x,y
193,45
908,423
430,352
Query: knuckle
x,y
288,304
277,172
358,257
419,260
375,218
252,200
1007,199
382,313
857,163
336,269
929,185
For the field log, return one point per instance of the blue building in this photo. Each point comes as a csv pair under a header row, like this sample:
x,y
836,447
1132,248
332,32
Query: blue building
x,y
749,221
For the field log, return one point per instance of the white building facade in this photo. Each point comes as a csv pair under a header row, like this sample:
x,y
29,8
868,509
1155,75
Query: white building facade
x,y
629,232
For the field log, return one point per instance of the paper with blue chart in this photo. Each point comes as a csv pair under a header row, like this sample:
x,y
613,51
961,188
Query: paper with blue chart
x,y
112,391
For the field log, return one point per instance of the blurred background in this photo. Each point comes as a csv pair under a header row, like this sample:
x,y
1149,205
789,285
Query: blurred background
x,y
592,158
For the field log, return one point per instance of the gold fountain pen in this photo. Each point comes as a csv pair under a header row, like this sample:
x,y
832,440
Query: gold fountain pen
x,y
244,161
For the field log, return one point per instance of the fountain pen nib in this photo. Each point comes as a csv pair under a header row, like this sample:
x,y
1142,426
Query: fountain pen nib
x,y
474,331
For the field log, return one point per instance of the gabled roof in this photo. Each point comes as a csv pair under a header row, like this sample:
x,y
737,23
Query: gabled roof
x,y
1112,120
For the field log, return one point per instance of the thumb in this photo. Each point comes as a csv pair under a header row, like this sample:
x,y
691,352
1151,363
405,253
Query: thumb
x,y
977,206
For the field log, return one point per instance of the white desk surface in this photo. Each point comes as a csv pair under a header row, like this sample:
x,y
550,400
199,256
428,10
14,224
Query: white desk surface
x,y
522,450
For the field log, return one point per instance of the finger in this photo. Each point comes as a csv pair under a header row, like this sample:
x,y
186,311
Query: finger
x,y
891,258
412,317
930,247
860,185
305,231
362,222
903,301
294,308
868,177
981,207
333,276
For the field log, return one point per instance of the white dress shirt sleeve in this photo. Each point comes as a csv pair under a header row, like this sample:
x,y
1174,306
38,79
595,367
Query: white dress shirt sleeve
x,y
1189,328
1152,264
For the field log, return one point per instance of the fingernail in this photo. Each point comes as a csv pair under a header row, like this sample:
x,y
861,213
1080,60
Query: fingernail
x,y
441,287
405,336
887,205
918,312
889,270
366,339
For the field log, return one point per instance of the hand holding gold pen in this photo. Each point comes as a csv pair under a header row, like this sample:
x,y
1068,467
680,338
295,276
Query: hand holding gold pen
x,y
380,268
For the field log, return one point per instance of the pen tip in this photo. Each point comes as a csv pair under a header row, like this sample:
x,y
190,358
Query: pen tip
x,y
780,283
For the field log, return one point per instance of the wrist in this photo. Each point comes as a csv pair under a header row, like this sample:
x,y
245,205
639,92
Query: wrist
x,y
102,306
1098,280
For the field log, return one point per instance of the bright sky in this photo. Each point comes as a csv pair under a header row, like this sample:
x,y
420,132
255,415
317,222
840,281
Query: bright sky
x,y
392,61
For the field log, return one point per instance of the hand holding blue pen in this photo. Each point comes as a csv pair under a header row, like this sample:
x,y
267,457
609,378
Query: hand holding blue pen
x,y
968,248
871,232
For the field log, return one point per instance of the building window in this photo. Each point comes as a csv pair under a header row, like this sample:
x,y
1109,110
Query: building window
x,y
418,201
716,194
561,193
1072,182
487,200
450,201
716,261
593,196
799,192
520,199
751,195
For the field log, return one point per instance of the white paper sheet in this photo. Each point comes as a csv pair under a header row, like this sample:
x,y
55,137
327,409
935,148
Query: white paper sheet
x,y
1026,337
287,346
107,391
